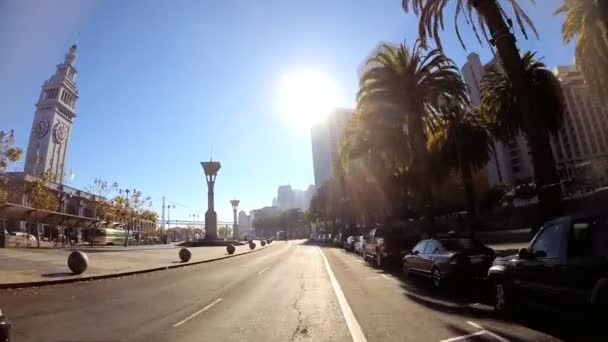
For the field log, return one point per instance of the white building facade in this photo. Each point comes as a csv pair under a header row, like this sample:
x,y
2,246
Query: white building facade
x,y
52,125
583,138
325,141
512,162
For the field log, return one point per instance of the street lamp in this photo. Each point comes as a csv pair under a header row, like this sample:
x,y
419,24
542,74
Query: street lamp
x,y
235,227
169,215
128,212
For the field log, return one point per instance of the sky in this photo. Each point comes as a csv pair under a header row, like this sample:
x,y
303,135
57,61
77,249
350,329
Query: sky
x,y
165,84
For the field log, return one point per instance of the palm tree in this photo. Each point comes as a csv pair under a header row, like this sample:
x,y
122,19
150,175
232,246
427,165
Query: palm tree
x,y
397,91
463,143
493,18
588,20
498,96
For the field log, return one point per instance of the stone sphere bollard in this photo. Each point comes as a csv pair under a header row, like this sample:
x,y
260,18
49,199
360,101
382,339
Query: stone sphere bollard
x,y
78,262
252,245
263,243
185,254
230,249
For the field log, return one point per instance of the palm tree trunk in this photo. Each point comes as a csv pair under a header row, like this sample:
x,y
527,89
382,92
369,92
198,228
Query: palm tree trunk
x,y
497,166
467,181
544,163
421,161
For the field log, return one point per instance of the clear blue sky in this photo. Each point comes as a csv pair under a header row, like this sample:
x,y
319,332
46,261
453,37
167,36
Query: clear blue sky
x,y
163,82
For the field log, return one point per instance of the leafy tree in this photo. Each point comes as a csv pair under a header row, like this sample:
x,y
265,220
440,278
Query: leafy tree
x,y
127,209
224,232
397,94
40,198
104,208
463,144
495,26
587,20
8,155
498,104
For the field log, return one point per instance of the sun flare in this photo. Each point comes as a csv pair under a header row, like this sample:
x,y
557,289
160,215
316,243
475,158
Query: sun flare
x,y
307,96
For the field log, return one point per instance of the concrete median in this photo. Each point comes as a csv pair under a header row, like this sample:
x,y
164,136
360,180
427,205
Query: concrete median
x,y
39,267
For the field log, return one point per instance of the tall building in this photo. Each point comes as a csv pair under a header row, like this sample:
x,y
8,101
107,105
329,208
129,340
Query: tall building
x,y
325,138
47,152
584,135
244,222
285,197
512,162
52,125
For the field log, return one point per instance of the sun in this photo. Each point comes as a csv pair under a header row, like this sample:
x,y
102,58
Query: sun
x,y
307,96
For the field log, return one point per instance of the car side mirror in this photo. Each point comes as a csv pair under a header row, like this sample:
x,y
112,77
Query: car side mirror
x,y
524,254
415,252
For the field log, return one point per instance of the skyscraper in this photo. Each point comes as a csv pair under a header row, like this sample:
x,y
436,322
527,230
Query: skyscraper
x,y
584,133
325,138
55,112
511,163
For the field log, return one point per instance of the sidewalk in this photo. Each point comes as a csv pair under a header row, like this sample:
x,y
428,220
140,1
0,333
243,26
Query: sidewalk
x,y
31,266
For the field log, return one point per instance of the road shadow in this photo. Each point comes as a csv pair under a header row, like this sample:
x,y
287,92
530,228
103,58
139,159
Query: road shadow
x,y
59,274
473,299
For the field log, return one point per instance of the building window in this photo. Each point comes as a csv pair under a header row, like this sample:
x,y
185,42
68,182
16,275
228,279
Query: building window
x,y
51,93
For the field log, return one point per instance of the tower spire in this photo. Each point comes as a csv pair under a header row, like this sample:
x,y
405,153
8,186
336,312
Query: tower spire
x,y
70,57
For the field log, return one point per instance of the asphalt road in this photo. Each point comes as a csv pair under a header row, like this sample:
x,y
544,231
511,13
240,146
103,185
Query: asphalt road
x,y
289,292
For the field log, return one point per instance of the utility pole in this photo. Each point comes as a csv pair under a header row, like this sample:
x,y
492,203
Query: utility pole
x,y
162,226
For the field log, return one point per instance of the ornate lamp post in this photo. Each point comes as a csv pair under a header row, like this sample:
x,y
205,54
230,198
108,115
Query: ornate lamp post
x,y
235,227
211,168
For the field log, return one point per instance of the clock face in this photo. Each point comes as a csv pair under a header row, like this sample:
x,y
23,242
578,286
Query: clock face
x,y
61,132
41,128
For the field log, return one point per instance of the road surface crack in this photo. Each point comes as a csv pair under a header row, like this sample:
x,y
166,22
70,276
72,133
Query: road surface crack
x,y
301,328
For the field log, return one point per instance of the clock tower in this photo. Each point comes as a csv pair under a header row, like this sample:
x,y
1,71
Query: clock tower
x,y
55,113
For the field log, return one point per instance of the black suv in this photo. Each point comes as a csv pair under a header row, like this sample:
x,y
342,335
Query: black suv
x,y
564,268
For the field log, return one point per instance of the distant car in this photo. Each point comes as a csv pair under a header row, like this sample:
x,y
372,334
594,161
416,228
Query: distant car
x,y
349,243
565,267
359,244
375,248
449,258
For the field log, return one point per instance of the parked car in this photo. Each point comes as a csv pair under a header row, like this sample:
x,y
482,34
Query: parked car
x,y
451,258
388,244
359,244
349,243
565,267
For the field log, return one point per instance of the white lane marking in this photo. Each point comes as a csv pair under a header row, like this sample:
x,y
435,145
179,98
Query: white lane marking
x,y
478,333
500,338
464,337
353,326
376,277
385,276
197,313
475,325
263,270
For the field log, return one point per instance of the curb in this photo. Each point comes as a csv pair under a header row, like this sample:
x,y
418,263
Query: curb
x,y
116,275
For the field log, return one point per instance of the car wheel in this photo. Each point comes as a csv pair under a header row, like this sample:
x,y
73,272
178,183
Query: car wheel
x,y
364,255
436,277
378,259
406,270
502,300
